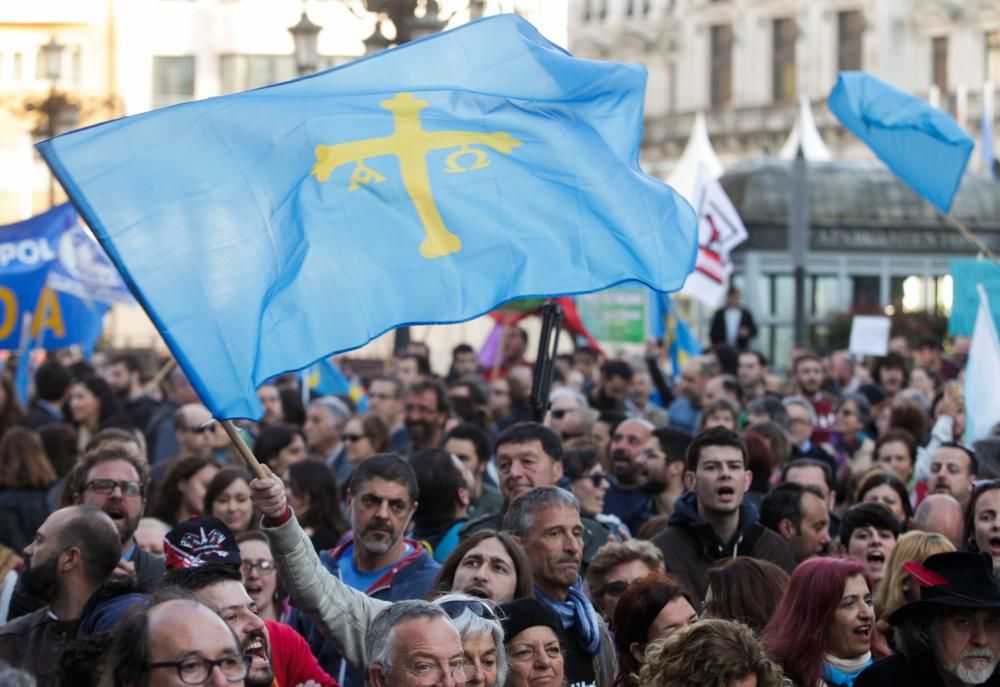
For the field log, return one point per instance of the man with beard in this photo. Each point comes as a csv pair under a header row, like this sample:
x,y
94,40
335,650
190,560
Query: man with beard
x,y
73,553
627,496
114,477
953,471
711,521
124,375
376,558
528,455
204,558
546,522
808,375
426,412
951,636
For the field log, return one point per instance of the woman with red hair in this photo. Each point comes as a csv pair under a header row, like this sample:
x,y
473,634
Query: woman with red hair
x,y
823,631
653,607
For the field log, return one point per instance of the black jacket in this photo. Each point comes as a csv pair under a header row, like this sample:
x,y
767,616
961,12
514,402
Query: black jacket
x,y
690,545
899,671
717,333
22,511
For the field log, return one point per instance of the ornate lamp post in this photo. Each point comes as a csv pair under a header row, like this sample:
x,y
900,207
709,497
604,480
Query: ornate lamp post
x,y
306,37
59,112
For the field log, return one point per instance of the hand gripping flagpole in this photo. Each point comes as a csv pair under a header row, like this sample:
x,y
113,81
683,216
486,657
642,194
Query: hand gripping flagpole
x,y
548,342
243,449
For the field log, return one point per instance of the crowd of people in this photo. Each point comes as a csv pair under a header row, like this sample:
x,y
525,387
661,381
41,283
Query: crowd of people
x,y
716,525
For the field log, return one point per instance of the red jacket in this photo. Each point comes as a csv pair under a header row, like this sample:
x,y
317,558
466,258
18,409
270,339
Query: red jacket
x,y
291,659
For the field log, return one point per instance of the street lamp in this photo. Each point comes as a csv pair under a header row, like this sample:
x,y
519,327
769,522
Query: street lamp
x,y
410,23
59,113
306,37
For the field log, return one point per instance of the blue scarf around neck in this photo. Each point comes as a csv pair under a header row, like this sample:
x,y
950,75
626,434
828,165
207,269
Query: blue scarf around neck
x,y
577,612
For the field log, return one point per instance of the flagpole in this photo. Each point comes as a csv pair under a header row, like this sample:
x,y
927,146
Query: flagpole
x,y
161,374
242,448
972,238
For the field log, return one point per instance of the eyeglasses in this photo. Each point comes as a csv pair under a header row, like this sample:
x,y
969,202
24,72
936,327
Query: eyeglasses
x,y
616,588
596,479
560,413
196,671
210,427
348,438
433,673
264,565
106,487
457,607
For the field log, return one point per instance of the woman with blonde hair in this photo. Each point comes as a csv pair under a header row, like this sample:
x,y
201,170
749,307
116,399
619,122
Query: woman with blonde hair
x,y
710,653
897,589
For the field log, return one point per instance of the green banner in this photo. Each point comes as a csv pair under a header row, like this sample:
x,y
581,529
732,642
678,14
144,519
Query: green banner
x,y
617,315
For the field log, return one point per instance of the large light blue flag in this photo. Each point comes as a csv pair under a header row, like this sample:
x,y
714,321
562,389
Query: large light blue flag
x,y
427,184
924,146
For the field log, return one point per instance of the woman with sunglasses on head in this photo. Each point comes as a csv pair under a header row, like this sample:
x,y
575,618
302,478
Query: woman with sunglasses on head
x,y
344,614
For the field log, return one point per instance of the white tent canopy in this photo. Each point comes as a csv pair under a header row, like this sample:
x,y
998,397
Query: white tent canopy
x,y
812,143
698,158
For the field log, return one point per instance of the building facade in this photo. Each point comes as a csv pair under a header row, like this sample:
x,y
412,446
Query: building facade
x,y
745,64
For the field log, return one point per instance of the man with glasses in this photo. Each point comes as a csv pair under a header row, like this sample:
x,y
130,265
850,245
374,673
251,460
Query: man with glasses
x,y
414,644
73,553
385,399
175,642
204,558
114,477
569,414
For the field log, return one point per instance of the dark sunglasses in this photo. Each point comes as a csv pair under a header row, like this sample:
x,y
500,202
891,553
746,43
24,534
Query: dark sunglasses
x,y
560,413
597,480
348,438
616,588
457,607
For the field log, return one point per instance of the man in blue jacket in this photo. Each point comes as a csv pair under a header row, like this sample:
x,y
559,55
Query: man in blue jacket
x,y
376,558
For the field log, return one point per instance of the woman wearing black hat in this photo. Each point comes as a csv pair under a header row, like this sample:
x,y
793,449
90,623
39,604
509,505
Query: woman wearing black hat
x,y
532,637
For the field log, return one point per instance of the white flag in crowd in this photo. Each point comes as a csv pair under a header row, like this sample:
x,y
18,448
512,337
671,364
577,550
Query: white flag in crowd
x,y
720,229
982,393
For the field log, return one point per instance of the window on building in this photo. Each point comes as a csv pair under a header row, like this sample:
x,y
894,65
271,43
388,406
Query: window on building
x,y
17,67
243,72
993,56
588,10
629,8
865,294
939,63
722,65
75,65
173,80
602,9
783,72
850,29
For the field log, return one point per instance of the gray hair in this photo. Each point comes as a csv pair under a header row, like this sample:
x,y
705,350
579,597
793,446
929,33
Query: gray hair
x,y
380,640
521,513
470,625
566,392
803,402
915,636
338,409
12,677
